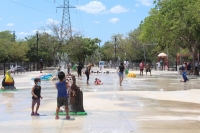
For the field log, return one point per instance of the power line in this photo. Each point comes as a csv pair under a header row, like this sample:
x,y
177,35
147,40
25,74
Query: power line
x,y
66,16
29,7
80,17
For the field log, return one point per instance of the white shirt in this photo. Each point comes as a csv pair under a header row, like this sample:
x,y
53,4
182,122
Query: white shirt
x,y
196,64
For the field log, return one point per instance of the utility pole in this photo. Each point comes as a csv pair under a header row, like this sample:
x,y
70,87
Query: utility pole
x,y
37,39
99,51
13,35
144,54
115,48
66,16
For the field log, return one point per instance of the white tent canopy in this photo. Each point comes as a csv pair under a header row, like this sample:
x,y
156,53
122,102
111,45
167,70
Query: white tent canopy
x,y
162,55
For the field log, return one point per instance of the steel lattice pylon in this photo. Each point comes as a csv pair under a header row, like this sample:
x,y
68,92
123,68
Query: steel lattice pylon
x,y
66,23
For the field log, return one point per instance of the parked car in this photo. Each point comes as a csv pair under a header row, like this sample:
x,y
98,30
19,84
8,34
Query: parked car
x,y
17,69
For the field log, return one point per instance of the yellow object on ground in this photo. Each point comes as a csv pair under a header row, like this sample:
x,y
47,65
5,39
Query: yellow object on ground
x,y
131,75
8,79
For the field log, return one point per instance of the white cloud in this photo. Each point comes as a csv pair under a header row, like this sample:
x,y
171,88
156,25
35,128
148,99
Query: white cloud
x,y
74,29
51,21
146,2
94,7
137,4
41,31
114,20
118,9
34,31
48,31
22,33
10,24
96,22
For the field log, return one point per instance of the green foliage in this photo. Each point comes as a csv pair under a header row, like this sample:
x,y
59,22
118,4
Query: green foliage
x,y
173,23
48,47
11,50
107,51
79,48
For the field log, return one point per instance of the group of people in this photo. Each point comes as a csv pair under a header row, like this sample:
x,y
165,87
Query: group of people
x,y
79,71
62,87
146,66
188,67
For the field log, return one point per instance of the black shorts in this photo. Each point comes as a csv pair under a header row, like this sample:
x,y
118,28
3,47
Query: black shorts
x,y
62,101
148,70
79,72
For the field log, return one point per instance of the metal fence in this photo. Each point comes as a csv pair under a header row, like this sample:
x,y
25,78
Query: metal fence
x,y
20,67
135,66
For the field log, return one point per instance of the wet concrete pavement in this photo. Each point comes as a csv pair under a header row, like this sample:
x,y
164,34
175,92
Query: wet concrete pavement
x,y
145,104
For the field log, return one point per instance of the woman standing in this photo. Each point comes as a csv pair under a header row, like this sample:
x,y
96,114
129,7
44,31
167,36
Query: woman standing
x,y
121,73
87,72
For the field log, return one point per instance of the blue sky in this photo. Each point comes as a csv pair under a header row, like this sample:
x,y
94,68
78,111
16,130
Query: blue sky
x,y
91,18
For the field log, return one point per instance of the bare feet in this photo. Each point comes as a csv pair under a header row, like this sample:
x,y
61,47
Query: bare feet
x,y
68,117
56,117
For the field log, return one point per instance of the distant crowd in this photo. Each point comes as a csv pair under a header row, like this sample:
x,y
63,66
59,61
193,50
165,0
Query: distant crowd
x,y
187,66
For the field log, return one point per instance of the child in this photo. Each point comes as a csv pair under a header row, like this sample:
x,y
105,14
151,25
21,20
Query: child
x,y
58,69
97,81
184,75
36,92
62,97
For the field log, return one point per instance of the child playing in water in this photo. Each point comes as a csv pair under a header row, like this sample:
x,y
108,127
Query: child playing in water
x,y
184,75
62,97
36,92
97,81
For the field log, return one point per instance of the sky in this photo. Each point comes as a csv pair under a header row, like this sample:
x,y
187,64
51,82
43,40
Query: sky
x,y
91,18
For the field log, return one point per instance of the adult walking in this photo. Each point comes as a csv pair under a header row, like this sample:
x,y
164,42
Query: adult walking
x,y
79,70
141,68
121,73
41,65
68,68
196,65
87,73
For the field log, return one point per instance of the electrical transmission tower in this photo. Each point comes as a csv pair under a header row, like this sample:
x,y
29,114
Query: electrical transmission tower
x,y
66,23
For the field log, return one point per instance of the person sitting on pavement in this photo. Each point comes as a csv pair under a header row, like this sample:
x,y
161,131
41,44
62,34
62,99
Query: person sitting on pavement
x,y
97,81
184,75
8,81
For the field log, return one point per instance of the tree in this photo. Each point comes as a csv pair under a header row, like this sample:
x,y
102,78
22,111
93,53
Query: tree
x,y
11,50
173,23
79,48
107,51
